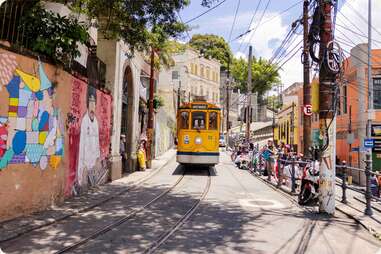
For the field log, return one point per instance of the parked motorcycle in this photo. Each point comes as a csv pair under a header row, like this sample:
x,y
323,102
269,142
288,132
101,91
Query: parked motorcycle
x,y
309,190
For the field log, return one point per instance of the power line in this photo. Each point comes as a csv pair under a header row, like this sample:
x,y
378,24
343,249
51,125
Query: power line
x,y
268,20
297,47
235,18
361,16
259,23
205,12
251,22
356,33
187,32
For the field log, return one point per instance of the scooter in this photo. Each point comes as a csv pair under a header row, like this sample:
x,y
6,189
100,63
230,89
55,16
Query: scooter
x,y
309,190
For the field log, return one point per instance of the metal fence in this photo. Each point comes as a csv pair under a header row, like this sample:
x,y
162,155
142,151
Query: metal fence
x,y
299,165
11,13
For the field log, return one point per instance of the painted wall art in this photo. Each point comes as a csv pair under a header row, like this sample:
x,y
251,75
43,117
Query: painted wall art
x,y
89,124
32,131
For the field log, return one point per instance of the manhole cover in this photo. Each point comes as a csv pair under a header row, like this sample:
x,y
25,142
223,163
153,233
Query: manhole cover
x,y
261,203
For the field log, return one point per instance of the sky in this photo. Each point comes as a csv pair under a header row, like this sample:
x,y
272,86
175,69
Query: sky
x,y
351,28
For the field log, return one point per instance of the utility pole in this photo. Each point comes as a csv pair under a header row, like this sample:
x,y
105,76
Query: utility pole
x,y
368,169
306,83
350,133
178,95
228,102
327,115
249,80
150,111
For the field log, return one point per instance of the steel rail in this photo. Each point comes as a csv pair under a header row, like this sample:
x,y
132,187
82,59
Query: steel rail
x,y
115,224
165,236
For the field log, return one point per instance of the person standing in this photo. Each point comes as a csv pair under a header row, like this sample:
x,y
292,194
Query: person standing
x,y
122,150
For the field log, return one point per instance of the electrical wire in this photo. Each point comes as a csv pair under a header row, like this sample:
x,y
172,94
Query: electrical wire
x,y
235,18
259,23
361,16
187,32
250,23
205,12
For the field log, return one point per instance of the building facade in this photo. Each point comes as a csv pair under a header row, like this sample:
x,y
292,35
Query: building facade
x,y
288,127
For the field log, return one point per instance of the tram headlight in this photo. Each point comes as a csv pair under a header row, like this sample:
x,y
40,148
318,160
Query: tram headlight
x,y
198,140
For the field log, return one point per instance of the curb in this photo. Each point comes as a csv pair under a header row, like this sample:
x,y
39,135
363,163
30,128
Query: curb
x,y
364,225
48,222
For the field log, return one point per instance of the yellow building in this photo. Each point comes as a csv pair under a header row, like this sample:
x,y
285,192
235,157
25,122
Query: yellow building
x,y
286,127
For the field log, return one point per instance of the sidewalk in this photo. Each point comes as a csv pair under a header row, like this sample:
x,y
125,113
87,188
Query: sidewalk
x,y
354,208
18,226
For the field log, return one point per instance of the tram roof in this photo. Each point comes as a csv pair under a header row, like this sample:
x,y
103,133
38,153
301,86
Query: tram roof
x,y
199,105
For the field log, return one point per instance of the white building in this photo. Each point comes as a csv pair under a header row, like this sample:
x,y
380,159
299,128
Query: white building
x,y
195,75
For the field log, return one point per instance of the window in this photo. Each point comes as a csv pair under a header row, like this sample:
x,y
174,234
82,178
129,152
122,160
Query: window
x,y
202,70
213,121
207,72
345,99
377,92
207,94
184,120
192,68
198,120
201,91
196,69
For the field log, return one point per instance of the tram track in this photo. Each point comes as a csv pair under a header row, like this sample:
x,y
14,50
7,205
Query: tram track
x,y
166,235
75,247
89,208
115,224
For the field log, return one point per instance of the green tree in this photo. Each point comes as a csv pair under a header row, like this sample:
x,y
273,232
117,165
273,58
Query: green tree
x,y
53,35
264,74
273,102
141,24
212,46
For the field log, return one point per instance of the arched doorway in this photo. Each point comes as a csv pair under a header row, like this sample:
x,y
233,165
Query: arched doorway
x,y
127,118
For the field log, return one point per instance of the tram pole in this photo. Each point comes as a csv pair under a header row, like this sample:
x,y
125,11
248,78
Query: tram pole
x,y
249,85
150,111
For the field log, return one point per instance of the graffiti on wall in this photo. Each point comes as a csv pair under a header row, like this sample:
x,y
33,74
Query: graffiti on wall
x,y
89,124
32,131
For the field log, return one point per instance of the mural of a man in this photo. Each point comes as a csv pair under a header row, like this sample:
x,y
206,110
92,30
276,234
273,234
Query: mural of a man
x,y
89,152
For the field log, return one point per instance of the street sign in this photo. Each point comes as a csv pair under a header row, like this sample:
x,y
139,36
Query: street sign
x,y
307,109
355,149
368,143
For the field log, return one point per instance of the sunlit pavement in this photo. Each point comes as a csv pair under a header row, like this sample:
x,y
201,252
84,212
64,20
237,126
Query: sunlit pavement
x,y
240,214
243,215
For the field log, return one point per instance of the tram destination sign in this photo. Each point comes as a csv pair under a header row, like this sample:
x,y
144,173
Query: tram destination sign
x,y
200,106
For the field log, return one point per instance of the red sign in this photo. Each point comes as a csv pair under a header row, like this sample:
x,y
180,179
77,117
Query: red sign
x,y
307,110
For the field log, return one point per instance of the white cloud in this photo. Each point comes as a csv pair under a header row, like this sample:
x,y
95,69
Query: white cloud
x,y
240,55
275,31
267,39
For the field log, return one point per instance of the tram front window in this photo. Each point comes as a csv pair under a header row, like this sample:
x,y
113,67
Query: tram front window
x,y
213,121
198,120
184,120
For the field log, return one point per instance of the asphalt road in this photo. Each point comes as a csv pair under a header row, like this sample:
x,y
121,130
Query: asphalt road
x,y
240,214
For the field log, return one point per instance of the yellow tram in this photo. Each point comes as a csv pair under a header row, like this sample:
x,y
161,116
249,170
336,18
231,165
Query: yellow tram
x,y
198,132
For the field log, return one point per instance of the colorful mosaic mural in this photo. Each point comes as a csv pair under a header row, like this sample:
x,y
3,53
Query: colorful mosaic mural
x,y
32,132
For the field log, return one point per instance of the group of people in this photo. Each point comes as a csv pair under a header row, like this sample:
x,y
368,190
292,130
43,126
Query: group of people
x,y
265,158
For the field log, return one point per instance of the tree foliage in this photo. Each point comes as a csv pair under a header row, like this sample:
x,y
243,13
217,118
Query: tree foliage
x,y
212,46
264,75
53,35
141,24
